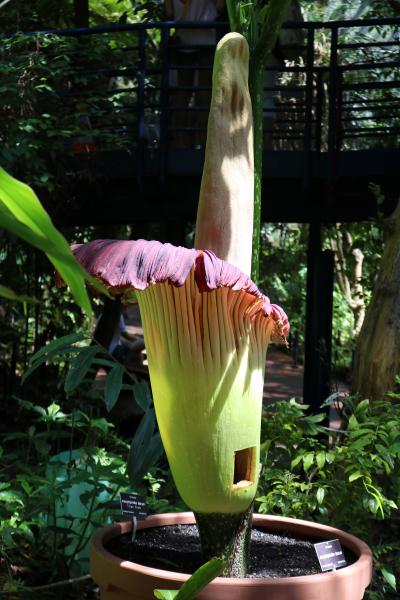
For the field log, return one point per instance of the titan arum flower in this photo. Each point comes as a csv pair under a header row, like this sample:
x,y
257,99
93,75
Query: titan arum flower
x,y
206,325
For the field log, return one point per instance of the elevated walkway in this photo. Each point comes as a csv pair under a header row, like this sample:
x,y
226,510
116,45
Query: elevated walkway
x,y
113,193
332,132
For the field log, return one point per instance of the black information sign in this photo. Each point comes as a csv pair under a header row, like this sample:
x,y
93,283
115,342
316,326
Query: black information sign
x,y
133,505
330,555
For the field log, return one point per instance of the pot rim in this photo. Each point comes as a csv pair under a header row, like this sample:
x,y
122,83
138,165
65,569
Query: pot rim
x,y
315,530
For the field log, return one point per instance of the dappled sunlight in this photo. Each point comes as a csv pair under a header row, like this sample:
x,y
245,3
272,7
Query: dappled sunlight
x,y
225,211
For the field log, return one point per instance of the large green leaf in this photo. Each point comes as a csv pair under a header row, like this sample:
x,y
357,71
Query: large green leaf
x,y
23,215
195,583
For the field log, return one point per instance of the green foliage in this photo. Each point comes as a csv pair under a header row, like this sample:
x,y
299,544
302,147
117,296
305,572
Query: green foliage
x,y
343,342
83,357
62,473
331,10
28,16
283,275
22,214
30,78
145,450
52,498
283,271
53,350
366,110
260,23
47,14
366,238
113,385
47,109
28,325
348,478
110,11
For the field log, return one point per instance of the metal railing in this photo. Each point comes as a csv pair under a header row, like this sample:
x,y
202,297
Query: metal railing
x,y
329,87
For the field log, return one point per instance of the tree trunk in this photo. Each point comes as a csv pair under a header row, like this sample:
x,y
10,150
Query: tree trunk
x,y
350,286
377,358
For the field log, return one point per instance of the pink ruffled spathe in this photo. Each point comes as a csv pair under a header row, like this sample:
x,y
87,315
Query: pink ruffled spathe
x,y
136,264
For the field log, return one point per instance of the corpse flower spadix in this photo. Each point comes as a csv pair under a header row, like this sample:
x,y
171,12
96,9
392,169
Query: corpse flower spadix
x,y
206,329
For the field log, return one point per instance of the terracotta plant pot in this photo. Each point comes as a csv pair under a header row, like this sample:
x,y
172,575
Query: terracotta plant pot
x,y
123,580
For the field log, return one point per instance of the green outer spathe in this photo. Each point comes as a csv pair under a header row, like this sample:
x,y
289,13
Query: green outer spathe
x,y
208,398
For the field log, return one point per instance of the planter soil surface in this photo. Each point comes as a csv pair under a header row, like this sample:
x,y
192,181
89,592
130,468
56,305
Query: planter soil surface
x,y
177,548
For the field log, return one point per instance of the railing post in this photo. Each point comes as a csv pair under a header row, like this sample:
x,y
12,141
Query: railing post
x,y
311,331
164,103
332,117
319,111
318,338
320,264
141,141
339,107
308,112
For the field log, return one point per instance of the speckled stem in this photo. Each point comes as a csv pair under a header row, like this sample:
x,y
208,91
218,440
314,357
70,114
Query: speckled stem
x,y
228,536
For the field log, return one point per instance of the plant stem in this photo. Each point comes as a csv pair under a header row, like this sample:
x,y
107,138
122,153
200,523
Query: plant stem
x,y
233,15
256,87
226,536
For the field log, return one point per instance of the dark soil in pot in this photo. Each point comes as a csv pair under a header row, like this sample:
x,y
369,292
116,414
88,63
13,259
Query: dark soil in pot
x,y
177,548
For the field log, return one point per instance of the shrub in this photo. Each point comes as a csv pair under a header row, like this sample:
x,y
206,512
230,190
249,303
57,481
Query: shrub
x,y
348,478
